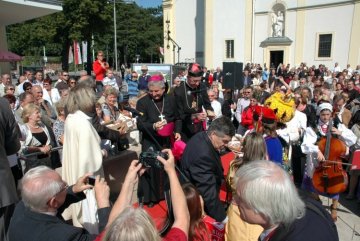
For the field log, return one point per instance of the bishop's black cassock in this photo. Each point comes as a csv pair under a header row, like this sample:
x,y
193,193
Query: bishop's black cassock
x,y
191,101
151,185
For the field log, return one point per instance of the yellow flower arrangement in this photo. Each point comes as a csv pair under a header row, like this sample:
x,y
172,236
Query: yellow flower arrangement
x,y
283,106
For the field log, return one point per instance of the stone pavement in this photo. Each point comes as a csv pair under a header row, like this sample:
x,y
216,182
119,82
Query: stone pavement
x,y
348,223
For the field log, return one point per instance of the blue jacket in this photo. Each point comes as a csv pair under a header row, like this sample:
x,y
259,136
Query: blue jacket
x,y
143,82
133,89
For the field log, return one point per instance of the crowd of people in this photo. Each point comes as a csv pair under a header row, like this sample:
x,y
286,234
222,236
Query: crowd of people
x,y
273,125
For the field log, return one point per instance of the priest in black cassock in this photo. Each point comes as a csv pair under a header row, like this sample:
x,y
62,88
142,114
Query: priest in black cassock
x,y
160,121
191,100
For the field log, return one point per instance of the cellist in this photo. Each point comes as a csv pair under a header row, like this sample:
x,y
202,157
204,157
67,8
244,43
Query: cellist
x,y
314,155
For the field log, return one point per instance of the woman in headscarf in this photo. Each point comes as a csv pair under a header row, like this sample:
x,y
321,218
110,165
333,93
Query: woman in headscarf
x,y
314,155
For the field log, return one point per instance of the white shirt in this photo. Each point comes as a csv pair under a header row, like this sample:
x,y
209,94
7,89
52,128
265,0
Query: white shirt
x,y
111,82
311,150
217,108
55,96
310,138
337,69
20,88
294,128
241,105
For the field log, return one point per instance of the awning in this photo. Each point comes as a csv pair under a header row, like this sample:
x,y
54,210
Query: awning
x,y
6,56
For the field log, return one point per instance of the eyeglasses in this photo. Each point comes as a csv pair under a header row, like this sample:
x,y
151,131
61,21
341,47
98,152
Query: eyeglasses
x,y
72,82
63,189
60,191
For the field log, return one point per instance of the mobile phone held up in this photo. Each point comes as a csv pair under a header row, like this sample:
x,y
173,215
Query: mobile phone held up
x,y
91,180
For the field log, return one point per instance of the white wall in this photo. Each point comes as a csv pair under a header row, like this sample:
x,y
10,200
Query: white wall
x,y
290,32
229,23
4,66
337,20
185,13
266,5
320,2
261,33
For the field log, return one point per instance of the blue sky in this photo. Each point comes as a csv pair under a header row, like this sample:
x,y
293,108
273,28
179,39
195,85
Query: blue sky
x,y
148,3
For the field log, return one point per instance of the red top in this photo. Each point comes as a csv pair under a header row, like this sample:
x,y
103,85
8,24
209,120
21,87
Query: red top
x,y
247,117
216,229
211,79
174,234
99,71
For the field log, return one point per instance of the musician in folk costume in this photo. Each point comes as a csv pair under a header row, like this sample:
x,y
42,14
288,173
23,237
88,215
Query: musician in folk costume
x,y
191,100
160,120
314,155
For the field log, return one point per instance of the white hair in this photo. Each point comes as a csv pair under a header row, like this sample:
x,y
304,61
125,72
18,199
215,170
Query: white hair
x,y
38,186
160,84
132,225
267,189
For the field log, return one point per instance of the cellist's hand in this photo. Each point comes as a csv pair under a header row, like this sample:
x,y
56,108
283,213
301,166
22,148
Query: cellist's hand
x,y
336,131
320,156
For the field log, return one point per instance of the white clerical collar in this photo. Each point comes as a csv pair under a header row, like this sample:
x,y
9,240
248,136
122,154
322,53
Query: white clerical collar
x,y
49,213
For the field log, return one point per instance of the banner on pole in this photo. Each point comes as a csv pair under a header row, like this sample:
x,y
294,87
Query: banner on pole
x,y
161,49
84,51
71,56
77,53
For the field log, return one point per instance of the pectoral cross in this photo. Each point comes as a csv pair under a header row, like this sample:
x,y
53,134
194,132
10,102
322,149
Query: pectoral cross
x,y
161,116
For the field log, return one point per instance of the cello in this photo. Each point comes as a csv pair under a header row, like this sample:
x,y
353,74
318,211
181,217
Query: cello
x,y
329,177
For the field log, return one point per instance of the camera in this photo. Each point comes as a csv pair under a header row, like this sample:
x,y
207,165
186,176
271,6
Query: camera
x,y
149,159
91,180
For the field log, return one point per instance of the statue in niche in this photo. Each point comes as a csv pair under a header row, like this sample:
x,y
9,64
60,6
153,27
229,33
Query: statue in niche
x,y
277,24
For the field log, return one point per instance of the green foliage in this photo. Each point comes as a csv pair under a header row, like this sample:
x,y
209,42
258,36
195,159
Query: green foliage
x,y
29,38
139,31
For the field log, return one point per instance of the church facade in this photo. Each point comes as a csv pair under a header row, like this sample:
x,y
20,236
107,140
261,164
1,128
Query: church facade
x,y
262,31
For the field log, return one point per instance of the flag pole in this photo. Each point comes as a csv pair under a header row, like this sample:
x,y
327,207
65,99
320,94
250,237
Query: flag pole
x,y
74,49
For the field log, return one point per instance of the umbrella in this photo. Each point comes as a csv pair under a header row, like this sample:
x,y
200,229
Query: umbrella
x,y
6,56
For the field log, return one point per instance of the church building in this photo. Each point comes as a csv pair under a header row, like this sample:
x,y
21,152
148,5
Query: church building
x,y
262,31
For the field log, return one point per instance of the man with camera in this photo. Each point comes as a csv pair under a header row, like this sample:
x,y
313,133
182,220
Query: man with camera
x,y
44,197
201,164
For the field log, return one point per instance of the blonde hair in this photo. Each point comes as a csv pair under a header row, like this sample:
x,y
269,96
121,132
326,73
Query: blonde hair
x,y
111,91
80,98
28,110
132,225
60,106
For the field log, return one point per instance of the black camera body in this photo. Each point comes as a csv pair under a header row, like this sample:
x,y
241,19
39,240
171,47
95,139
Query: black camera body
x,y
149,159
91,180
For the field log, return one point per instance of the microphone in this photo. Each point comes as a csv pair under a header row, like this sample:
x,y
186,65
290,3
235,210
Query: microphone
x,y
133,111
189,92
